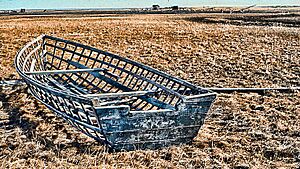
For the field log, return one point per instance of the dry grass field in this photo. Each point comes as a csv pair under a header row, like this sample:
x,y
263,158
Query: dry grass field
x,y
241,131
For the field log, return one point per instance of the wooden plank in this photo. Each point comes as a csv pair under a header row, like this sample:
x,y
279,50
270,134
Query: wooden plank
x,y
31,53
115,102
124,127
55,72
200,96
118,118
78,89
123,94
32,66
218,90
254,90
58,85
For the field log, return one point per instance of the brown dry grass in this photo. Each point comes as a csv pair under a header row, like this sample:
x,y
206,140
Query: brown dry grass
x,y
241,131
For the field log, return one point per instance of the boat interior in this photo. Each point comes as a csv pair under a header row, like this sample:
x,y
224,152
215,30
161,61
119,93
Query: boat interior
x,y
105,78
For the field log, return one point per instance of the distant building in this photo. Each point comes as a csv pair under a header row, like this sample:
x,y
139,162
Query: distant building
x,y
175,8
22,10
155,7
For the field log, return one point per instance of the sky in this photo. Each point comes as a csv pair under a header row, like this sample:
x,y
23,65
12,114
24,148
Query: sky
x,y
65,4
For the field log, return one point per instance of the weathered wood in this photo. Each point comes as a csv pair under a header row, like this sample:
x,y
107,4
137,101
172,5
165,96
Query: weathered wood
x,y
117,101
218,90
124,94
254,90
124,127
56,72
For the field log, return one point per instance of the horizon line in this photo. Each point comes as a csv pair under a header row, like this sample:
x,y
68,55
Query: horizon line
x,y
103,8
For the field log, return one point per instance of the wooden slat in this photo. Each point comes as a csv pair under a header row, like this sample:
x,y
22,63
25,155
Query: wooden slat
x,y
55,72
123,94
218,90
255,90
116,102
199,96
31,53
32,65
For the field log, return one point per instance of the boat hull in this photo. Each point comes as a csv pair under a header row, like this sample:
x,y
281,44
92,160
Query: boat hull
x,y
119,102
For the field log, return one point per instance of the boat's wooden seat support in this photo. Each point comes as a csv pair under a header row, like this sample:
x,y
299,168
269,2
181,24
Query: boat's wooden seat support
x,y
116,84
68,88
143,95
120,95
117,98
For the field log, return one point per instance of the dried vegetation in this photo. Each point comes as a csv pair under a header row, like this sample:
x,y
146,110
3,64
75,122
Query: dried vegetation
x,y
241,131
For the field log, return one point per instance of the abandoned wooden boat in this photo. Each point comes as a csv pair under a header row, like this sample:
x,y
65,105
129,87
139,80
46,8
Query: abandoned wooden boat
x,y
119,102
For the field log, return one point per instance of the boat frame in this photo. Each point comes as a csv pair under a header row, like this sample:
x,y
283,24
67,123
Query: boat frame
x,y
119,102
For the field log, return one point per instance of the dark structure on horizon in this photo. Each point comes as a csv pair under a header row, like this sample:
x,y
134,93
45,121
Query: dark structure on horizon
x,y
175,8
155,7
